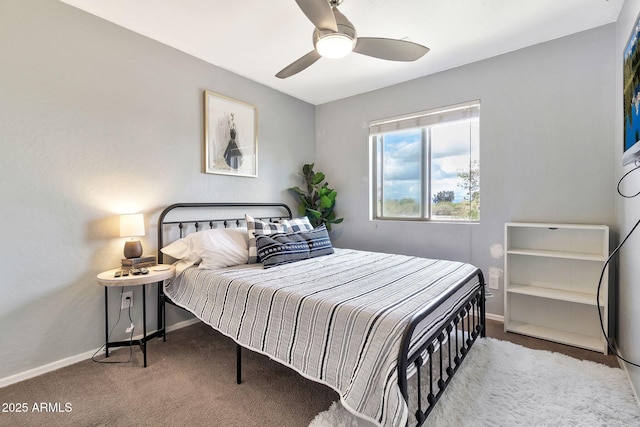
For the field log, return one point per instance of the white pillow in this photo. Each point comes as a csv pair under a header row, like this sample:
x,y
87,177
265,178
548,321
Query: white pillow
x,y
223,247
215,248
183,250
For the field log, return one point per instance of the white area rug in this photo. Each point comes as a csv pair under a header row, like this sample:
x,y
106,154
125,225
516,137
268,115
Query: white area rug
x,y
504,384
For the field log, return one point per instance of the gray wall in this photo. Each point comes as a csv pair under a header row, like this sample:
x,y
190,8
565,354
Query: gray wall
x,y
546,128
94,121
628,214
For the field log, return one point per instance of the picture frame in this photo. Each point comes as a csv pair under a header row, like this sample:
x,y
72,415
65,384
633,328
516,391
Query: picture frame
x,y
230,136
631,97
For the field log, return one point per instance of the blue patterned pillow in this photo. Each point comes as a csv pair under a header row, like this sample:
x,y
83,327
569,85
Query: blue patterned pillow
x,y
282,248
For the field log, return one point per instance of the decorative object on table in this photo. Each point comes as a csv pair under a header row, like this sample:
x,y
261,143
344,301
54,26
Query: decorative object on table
x,y
145,261
317,200
231,136
132,225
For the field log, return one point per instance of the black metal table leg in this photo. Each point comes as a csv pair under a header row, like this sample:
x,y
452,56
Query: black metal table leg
x,y
144,324
106,321
161,312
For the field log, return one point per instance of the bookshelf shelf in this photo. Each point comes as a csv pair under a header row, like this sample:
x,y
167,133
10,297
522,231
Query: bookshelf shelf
x,y
551,280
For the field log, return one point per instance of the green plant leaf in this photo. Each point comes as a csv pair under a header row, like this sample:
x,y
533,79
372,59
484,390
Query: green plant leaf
x,y
297,190
318,178
312,213
318,201
326,202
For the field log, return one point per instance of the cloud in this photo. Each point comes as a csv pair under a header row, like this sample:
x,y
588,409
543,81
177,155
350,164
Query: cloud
x,y
449,157
402,152
440,172
452,139
402,189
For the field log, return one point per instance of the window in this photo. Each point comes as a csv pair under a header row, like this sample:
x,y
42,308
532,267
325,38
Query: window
x,y
426,166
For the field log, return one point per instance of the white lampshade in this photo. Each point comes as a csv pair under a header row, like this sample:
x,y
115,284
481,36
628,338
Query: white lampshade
x,y
131,225
335,45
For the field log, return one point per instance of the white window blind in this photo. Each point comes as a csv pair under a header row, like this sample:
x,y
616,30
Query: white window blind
x,y
464,111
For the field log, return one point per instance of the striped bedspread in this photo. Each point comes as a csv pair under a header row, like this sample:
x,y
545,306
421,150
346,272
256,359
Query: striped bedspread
x,y
337,319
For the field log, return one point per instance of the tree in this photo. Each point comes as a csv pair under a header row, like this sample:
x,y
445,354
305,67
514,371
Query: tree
x,y
471,184
444,196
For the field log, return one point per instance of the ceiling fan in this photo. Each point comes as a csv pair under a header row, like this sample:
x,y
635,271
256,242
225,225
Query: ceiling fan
x,y
335,37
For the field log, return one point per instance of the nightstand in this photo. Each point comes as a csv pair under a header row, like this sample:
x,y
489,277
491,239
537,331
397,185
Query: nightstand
x,y
157,274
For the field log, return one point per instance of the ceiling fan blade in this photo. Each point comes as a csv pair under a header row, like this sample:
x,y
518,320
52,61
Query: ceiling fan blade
x,y
319,13
298,65
391,49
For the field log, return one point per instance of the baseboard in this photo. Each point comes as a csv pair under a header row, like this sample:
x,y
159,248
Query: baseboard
x,y
183,324
623,366
31,373
40,370
495,317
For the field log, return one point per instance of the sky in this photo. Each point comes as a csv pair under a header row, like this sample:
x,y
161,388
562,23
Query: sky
x,y
450,149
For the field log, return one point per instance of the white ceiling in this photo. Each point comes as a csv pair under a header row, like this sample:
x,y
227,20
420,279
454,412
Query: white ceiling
x,y
257,38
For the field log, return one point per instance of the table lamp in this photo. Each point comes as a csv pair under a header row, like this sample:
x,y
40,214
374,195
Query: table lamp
x,y
132,225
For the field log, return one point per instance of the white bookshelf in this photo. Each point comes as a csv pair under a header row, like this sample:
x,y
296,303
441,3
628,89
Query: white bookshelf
x,y
551,279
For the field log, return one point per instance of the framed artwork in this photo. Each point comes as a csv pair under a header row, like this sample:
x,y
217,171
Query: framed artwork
x,y
230,136
631,96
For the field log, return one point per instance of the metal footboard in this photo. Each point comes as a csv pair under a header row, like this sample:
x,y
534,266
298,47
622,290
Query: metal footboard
x,y
440,356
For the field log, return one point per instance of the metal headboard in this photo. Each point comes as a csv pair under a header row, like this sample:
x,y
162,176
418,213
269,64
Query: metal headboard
x,y
211,215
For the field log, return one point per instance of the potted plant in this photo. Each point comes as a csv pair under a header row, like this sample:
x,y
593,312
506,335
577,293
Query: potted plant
x,y
317,201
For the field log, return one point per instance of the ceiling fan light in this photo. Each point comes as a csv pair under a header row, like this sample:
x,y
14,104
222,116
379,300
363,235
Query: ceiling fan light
x,y
335,45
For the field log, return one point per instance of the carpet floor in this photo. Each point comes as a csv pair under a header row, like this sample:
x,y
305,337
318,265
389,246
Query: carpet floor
x,y
189,381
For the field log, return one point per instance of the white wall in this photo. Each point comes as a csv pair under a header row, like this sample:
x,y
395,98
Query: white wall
x,y
546,130
96,120
628,213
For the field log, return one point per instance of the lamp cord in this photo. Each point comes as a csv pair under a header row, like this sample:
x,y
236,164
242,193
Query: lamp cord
x,y
604,269
637,164
111,333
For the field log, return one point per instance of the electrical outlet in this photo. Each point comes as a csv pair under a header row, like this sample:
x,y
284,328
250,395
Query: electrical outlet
x,y
494,277
126,303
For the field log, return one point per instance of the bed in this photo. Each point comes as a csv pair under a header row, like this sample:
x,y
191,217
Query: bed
x,y
372,326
